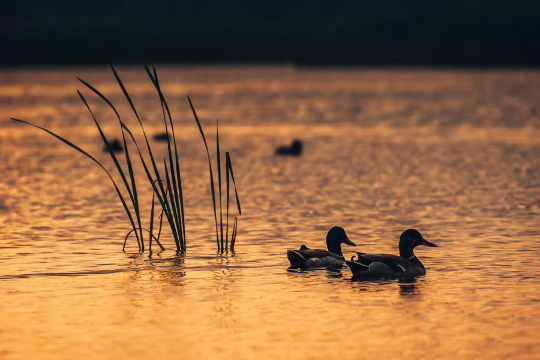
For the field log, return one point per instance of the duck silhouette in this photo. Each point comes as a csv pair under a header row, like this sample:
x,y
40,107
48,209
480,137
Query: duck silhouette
x,y
392,266
115,146
161,137
306,258
294,149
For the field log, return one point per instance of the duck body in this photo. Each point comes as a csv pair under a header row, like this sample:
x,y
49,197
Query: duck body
x,y
389,266
385,266
294,149
305,258
161,137
114,146
313,258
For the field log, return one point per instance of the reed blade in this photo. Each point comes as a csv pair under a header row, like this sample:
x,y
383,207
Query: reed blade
x,y
234,182
160,224
90,157
227,165
116,163
134,188
233,236
178,213
169,189
219,184
151,236
151,222
209,165
133,195
160,217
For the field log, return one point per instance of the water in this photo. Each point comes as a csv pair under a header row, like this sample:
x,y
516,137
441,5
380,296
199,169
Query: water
x,y
454,154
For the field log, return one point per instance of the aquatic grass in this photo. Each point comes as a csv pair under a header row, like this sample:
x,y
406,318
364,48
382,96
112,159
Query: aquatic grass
x,y
228,163
160,192
227,174
150,241
212,186
233,236
179,197
151,223
234,183
209,165
173,221
151,231
133,191
176,181
167,188
219,182
228,167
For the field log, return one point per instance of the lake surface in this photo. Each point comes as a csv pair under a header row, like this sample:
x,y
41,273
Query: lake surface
x,y
454,154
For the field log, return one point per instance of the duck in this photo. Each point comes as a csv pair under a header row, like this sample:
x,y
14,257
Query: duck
x,y
115,146
161,137
309,258
295,149
388,266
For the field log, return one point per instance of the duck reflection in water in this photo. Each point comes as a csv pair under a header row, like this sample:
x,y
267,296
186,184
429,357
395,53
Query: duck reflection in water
x,y
407,287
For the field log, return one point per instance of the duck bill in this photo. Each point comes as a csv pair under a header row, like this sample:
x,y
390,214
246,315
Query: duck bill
x,y
427,243
349,242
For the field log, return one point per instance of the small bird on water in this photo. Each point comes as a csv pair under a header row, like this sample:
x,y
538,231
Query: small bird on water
x,y
305,257
115,146
392,266
161,137
295,149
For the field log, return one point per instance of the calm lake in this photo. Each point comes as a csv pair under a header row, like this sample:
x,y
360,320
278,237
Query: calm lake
x,y
454,154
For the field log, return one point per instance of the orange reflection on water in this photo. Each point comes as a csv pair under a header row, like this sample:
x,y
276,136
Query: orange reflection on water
x,y
385,150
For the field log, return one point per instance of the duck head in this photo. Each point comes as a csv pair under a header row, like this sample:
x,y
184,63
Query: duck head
x,y
335,237
409,240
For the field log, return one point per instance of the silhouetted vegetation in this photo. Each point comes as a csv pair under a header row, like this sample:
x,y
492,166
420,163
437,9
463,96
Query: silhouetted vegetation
x,y
229,170
167,188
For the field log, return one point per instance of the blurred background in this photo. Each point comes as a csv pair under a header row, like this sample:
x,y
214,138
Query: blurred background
x,y
387,32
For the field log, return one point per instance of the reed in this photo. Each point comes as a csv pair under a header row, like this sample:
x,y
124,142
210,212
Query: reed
x,y
228,166
167,188
229,170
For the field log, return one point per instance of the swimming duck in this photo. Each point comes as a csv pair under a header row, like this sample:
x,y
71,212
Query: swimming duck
x,y
115,146
161,137
295,149
305,257
392,266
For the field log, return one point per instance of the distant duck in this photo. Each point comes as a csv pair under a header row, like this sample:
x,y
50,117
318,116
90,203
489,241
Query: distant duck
x,y
306,257
295,149
391,266
115,146
161,137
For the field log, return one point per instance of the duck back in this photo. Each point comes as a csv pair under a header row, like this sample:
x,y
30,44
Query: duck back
x,y
384,266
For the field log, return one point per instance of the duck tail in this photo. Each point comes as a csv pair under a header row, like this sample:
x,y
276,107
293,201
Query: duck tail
x,y
360,266
295,258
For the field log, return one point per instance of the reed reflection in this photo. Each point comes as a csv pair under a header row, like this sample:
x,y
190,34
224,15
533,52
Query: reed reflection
x,y
165,270
224,276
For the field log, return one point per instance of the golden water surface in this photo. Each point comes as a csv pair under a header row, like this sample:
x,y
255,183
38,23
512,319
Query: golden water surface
x,y
455,154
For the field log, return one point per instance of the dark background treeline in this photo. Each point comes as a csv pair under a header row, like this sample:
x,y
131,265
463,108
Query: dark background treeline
x,y
383,32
